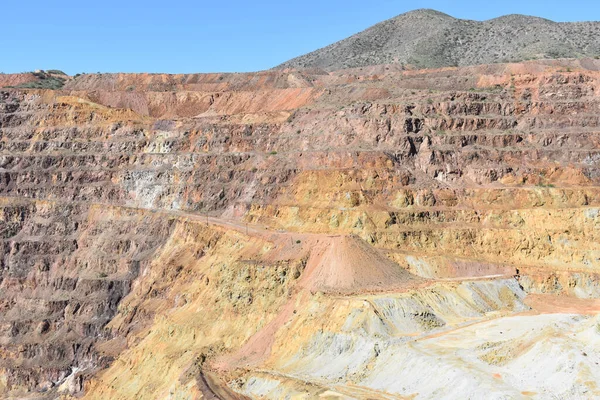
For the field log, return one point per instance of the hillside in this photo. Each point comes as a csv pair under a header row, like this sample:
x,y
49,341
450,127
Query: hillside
x,y
431,39
355,234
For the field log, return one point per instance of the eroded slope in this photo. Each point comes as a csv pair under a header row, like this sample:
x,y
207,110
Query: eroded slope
x,y
303,233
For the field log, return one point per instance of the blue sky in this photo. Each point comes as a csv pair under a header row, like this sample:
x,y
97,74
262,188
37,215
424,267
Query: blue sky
x,y
213,36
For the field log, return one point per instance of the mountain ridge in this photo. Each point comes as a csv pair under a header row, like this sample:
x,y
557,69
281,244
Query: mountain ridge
x,y
426,38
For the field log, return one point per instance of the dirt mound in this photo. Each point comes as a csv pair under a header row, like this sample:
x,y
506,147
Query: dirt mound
x,y
16,79
53,79
346,264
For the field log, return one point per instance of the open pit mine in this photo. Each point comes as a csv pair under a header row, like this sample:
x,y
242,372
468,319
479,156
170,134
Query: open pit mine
x,y
371,233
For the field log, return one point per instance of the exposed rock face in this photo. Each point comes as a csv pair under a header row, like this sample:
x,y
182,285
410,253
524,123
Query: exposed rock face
x,y
431,39
284,233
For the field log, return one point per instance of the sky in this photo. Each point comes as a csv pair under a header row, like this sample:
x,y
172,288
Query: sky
x,y
183,36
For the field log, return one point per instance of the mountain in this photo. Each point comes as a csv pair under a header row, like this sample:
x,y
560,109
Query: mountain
x,y
431,39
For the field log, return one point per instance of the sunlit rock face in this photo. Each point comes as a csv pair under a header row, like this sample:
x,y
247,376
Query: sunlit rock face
x,y
367,233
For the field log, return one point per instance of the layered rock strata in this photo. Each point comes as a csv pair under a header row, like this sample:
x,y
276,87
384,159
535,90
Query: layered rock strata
x,y
299,233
